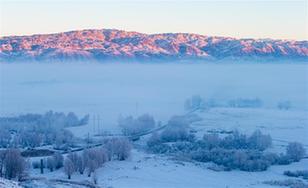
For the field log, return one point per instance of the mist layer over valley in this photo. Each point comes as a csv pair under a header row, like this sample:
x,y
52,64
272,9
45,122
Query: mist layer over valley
x,y
115,89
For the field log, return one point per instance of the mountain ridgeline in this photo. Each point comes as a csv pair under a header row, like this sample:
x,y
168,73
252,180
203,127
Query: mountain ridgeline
x,y
111,44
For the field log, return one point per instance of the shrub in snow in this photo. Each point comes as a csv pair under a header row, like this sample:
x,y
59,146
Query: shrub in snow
x,y
256,141
292,183
132,126
284,105
295,151
210,141
298,173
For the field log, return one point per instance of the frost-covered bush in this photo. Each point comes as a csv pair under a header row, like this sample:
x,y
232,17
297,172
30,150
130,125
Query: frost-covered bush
x,y
295,151
233,159
177,130
132,126
292,183
298,173
284,105
257,140
118,148
210,141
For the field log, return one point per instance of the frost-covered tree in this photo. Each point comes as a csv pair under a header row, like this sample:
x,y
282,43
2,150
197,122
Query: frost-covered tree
x,y
177,129
132,126
5,138
74,158
14,164
2,159
295,151
50,163
58,159
81,165
194,103
84,120
72,120
259,141
63,138
68,167
118,148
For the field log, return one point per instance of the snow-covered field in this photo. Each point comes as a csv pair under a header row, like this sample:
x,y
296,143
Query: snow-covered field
x,y
154,171
109,90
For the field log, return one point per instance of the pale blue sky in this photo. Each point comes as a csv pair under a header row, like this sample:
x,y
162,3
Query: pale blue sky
x,y
240,19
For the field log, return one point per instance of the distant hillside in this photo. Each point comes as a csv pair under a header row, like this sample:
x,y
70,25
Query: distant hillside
x,y
106,44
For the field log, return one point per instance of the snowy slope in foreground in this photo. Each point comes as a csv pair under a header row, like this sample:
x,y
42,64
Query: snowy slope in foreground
x,y
154,171
8,184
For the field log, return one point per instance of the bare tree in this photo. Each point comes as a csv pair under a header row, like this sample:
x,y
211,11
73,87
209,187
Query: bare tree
x,y
50,163
2,159
74,158
81,164
58,159
69,168
95,177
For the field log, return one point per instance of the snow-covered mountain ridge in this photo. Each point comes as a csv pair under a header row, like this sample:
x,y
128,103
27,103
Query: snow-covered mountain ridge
x,y
109,44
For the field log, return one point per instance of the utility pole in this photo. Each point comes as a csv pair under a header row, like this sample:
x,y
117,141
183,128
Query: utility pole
x,y
98,124
137,105
93,123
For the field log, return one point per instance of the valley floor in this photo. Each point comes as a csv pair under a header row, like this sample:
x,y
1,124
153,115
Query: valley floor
x,y
156,171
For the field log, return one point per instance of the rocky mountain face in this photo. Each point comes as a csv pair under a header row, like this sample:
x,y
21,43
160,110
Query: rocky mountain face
x,y
106,44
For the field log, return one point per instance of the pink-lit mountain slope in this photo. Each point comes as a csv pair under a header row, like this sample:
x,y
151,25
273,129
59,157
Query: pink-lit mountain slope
x,y
106,44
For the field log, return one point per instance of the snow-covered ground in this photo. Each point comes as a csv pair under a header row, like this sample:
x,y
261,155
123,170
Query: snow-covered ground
x,y
154,171
283,125
4,183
